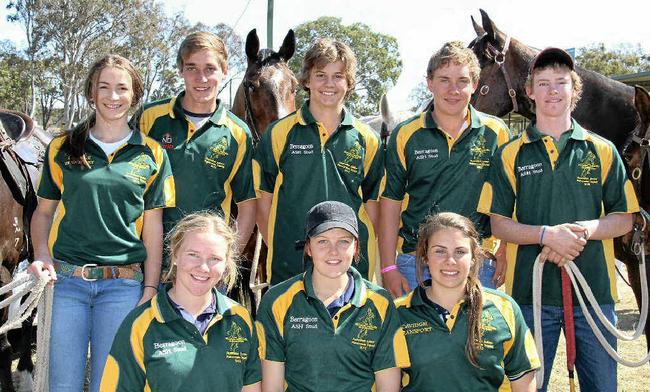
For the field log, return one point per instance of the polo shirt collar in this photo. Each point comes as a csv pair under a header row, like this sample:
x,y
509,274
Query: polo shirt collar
x,y
427,121
175,109
305,117
533,134
360,292
164,310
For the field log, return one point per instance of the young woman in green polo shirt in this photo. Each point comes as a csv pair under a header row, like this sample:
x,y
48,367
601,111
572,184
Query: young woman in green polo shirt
x,y
189,336
98,220
460,336
328,329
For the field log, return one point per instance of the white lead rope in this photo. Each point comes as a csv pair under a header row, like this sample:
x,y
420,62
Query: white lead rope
x,y
579,281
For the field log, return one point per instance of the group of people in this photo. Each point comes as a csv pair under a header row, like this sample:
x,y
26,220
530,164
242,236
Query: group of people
x,y
449,193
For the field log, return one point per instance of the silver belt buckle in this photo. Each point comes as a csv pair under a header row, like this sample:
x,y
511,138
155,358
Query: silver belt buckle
x,y
83,272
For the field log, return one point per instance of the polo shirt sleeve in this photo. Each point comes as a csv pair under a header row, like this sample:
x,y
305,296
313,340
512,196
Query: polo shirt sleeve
x,y
395,176
48,187
618,192
160,192
123,371
271,341
498,195
264,167
371,183
242,183
253,371
522,356
391,350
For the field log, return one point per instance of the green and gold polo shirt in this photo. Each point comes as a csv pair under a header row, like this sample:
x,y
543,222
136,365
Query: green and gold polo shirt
x,y
323,353
101,210
533,183
211,165
437,348
302,166
155,349
431,172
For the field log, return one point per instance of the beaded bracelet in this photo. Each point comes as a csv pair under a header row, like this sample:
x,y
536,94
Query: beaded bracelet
x,y
389,268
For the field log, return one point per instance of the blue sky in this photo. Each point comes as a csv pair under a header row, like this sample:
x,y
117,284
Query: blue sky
x,y
421,27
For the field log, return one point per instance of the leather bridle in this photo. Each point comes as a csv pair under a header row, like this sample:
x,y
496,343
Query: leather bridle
x,y
499,58
248,106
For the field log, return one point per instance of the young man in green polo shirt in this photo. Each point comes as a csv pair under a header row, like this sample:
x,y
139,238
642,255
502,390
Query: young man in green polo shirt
x,y
320,152
563,191
209,148
435,162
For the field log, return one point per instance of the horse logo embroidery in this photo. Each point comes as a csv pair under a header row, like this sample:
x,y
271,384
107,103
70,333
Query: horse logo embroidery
x,y
140,167
479,152
365,325
352,155
588,164
217,151
235,338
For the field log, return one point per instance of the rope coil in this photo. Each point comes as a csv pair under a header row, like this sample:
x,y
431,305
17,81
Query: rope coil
x,y
578,281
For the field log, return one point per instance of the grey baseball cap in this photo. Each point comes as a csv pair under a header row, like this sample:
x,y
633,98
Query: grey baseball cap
x,y
551,56
329,215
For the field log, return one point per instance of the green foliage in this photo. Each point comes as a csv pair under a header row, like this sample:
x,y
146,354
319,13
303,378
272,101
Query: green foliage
x,y
378,59
14,80
620,60
419,95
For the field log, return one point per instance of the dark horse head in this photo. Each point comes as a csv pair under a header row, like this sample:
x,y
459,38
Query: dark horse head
x,y
636,152
268,89
606,106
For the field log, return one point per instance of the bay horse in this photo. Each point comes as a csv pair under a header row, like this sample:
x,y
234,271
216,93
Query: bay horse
x,y
266,94
607,107
21,150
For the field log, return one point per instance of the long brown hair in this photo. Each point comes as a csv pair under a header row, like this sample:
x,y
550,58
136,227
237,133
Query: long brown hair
x,y
75,140
473,294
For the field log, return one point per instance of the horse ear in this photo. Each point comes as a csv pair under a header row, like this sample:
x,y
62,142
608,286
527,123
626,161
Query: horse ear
x,y
288,46
478,28
384,109
489,26
252,45
642,104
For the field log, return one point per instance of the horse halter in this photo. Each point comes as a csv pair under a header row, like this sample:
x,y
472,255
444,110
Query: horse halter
x,y
248,105
499,57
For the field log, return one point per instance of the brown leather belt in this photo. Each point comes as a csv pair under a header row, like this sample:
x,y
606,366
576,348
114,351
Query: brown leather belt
x,y
93,272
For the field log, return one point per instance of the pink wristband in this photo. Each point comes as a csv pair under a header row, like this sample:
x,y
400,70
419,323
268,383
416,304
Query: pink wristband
x,y
389,268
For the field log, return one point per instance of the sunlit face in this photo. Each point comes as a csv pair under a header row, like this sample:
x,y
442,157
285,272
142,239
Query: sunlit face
x,y
452,88
113,94
200,263
328,85
332,252
552,91
202,75
449,258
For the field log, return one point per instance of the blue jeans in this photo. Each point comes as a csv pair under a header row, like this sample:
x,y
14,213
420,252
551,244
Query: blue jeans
x,y
86,312
406,264
596,369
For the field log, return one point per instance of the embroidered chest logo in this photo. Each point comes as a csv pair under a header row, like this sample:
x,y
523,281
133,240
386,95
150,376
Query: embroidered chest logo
x,y
351,163
167,142
163,349
139,169
216,152
70,161
588,165
417,328
531,169
365,325
480,158
234,337
487,321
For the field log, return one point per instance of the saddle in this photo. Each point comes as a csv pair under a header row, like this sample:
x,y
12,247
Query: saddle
x,y
19,164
